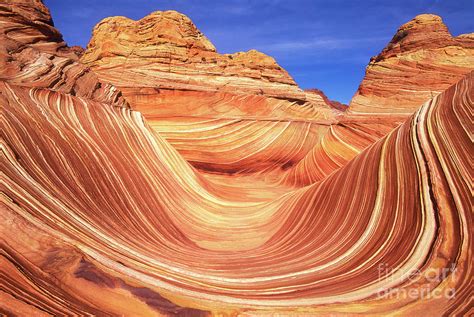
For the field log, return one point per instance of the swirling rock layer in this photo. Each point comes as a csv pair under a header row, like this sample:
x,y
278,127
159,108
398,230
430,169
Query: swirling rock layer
x,y
166,50
421,60
33,54
101,215
169,71
100,204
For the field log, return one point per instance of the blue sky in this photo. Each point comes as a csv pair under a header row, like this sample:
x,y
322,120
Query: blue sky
x,y
322,43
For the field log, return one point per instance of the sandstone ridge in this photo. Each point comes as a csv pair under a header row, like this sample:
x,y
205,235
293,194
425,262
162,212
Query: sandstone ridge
x,y
422,60
168,49
101,215
33,54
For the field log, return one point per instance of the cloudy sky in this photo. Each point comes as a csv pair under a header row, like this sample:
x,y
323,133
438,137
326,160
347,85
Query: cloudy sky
x,y
323,44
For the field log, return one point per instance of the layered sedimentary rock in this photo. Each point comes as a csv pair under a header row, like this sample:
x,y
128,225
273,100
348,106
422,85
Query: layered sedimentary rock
x,y
169,51
169,71
239,145
100,215
317,97
422,60
164,57
339,144
33,54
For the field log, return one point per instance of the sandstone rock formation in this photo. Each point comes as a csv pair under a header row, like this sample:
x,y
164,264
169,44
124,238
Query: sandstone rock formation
x,y
100,215
164,53
168,50
33,54
169,71
317,96
422,60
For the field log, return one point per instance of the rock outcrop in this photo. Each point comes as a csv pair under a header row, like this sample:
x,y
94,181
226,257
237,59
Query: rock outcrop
x,y
318,97
33,54
422,60
100,215
170,72
165,52
168,50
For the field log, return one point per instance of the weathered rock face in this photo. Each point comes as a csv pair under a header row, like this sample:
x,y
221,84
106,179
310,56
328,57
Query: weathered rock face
x,y
165,50
169,71
101,216
421,60
33,54
317,97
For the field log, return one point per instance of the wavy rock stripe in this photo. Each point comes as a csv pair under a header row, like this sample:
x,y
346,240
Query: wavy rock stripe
x,y
154,69
166,50
33,54
155,103
239,145
340,144
422,60
99,214
165,66
228,133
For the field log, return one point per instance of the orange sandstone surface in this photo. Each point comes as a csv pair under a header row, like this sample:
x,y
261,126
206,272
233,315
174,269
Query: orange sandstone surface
x,y
163,54
108,211
33,54
422,60
170,72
